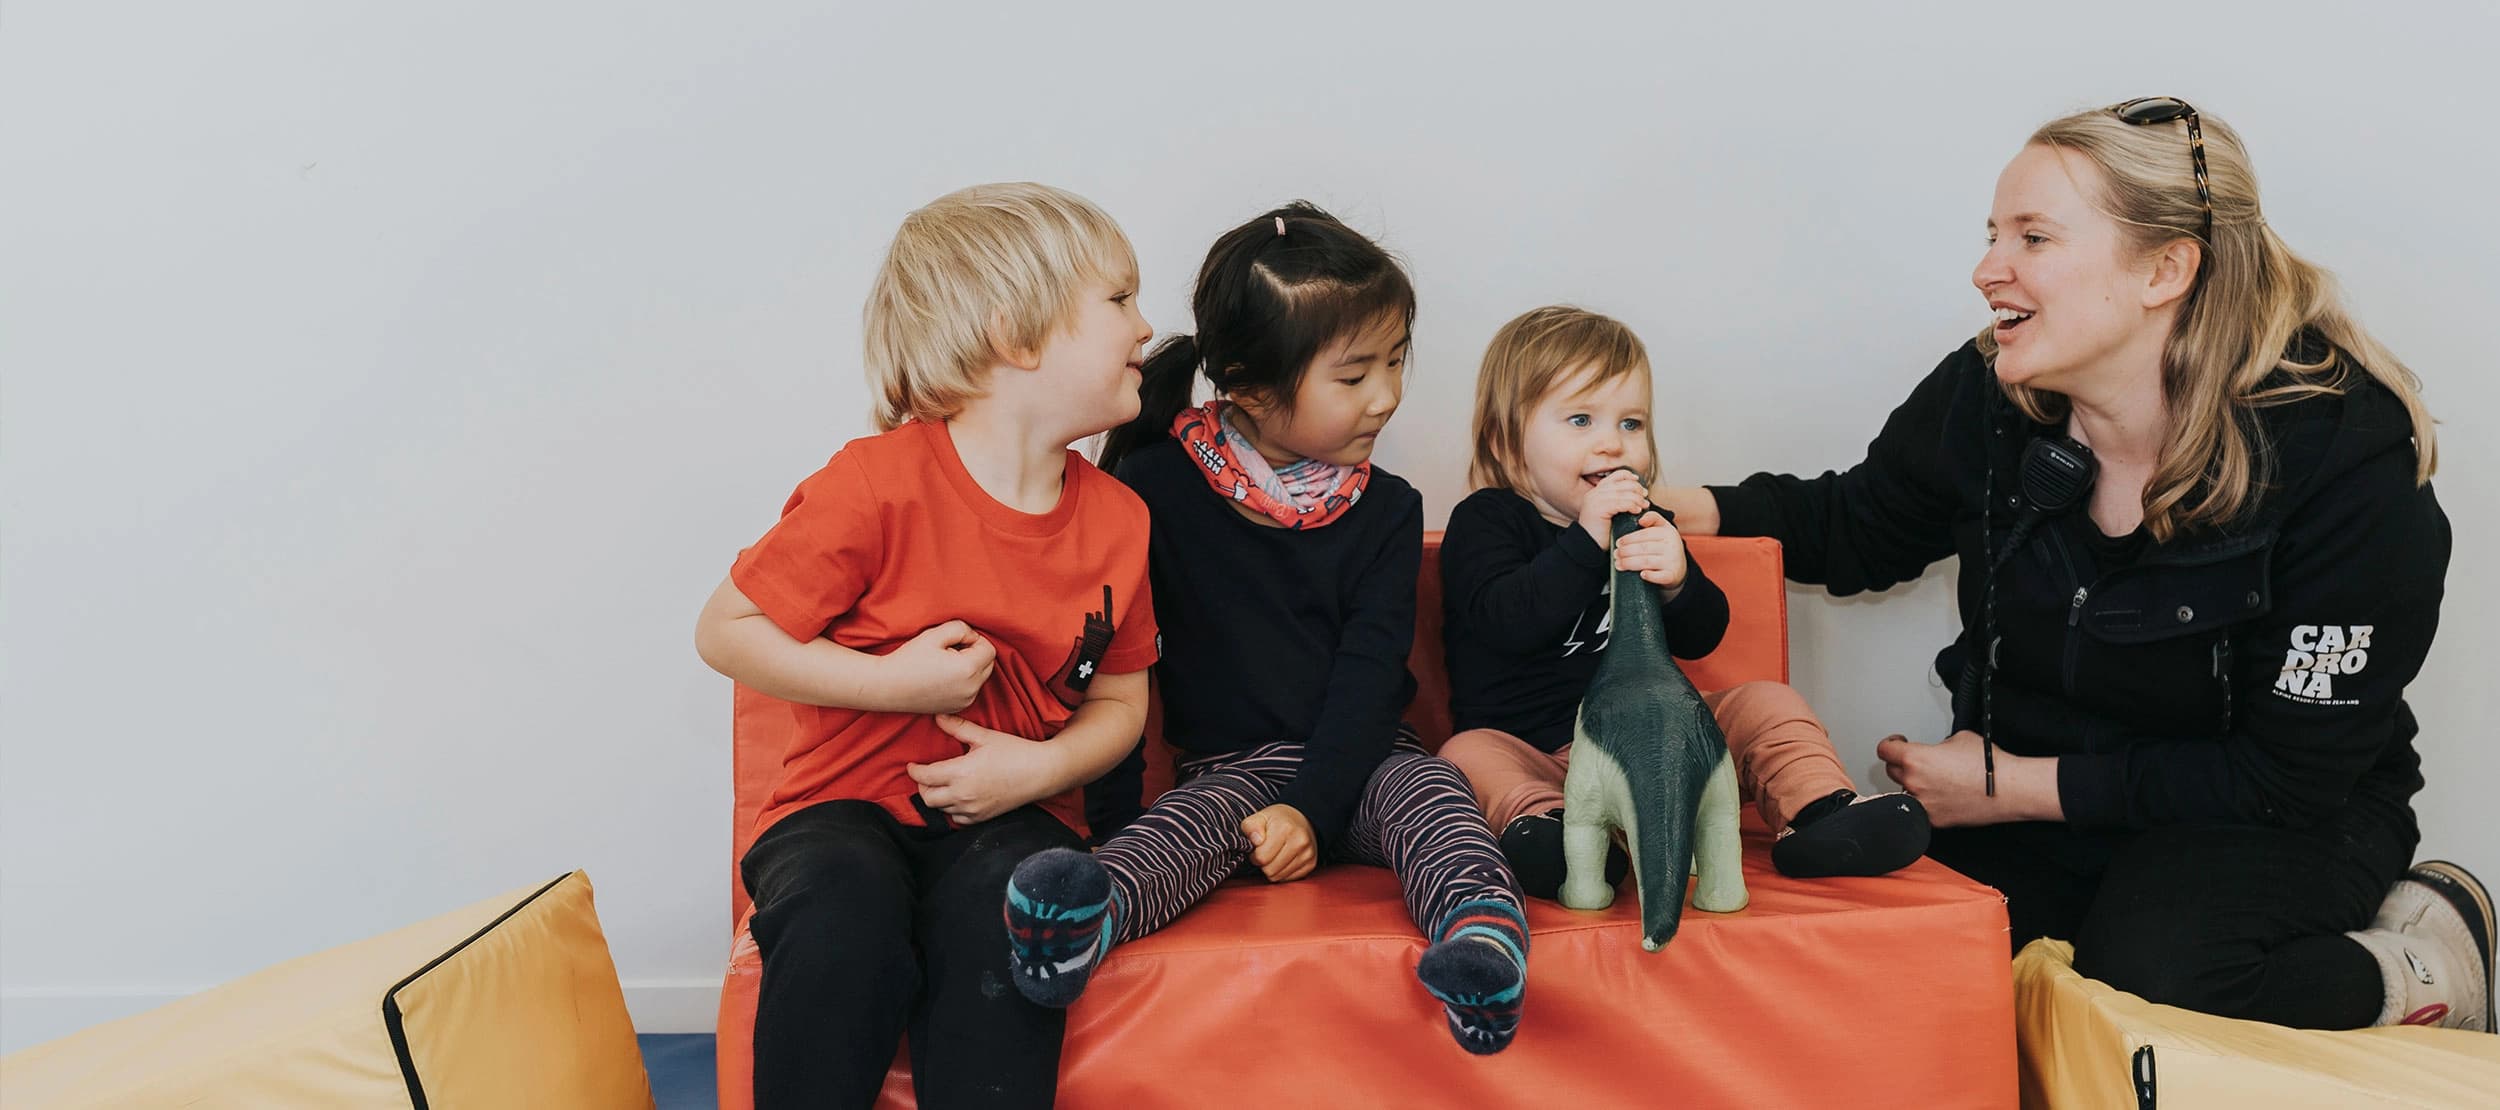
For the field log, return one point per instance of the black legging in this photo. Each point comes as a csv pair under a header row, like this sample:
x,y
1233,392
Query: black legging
x,y
2235,920
870,927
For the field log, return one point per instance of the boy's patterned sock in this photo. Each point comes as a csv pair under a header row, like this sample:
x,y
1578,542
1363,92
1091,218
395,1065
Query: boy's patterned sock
x,y
1061,909
1479,970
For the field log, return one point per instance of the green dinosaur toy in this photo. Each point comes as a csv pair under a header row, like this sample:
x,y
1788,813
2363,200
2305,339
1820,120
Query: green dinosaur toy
x,y
1647,757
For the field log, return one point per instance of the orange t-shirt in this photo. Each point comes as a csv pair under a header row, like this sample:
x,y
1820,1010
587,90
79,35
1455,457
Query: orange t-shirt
x,y
893,537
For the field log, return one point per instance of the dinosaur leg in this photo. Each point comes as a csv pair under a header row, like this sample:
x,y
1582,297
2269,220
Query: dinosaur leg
x,y
1593,789
1584,856
1718,853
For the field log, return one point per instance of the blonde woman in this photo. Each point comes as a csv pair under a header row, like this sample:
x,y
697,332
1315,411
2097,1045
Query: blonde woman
x,y
2200,560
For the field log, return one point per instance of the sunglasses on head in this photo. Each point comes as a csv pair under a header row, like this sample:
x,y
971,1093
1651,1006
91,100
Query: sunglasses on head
x,y
2145,110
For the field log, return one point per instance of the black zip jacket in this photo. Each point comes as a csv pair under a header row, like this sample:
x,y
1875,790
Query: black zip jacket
x,y
2249,674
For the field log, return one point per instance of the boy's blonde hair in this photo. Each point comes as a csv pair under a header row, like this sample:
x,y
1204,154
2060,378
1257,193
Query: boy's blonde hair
x,y
976,274
1532,356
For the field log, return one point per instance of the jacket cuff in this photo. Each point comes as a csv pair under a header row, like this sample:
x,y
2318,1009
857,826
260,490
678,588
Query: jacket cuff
x,y
1745,512
2091,789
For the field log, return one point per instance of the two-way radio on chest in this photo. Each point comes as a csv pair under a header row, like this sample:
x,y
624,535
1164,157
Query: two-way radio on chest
x,y
2056,475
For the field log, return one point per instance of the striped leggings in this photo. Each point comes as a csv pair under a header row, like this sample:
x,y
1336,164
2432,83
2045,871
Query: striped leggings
x,y
1418,817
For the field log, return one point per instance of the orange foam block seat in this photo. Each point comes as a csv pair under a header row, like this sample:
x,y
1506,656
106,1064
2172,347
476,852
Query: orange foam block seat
x,y
1891,991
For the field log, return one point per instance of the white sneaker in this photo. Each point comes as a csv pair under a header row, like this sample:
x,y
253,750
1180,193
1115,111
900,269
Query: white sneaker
x,y
2432,939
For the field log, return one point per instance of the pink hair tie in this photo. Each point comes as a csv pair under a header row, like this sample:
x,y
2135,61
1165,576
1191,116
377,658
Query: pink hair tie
x,y
1280,225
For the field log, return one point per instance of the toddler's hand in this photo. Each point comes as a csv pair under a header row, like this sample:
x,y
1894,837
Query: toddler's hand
x,y
1615,494
1656,551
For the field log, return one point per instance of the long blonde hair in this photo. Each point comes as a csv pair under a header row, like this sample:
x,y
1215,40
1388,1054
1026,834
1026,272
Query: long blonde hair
x,y
2260,327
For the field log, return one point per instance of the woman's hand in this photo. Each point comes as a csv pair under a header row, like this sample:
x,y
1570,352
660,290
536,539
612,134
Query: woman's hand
x,y
1696,509
1951,779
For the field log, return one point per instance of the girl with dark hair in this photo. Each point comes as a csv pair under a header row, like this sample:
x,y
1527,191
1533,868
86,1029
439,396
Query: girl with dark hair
x,y
1283,564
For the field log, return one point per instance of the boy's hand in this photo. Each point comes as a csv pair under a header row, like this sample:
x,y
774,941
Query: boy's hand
x,y
996,773
1281,843
1656,551
941,670
1615,494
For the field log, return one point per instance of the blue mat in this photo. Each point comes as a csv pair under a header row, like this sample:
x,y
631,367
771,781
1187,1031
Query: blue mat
x,y
680,1066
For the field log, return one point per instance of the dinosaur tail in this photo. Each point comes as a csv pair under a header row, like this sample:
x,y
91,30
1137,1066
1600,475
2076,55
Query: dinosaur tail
x,y
1687,778
1664,863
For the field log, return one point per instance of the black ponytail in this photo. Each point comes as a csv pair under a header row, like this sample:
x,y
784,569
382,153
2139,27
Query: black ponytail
x,y
1272,294
1169,373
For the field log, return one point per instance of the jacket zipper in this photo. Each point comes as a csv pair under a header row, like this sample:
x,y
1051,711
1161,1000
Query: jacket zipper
x,y
2074,610
2222,671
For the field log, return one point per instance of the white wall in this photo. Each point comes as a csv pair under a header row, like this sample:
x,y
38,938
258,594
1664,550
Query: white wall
x,y
386,384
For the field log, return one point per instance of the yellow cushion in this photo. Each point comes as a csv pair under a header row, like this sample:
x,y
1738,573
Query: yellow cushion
x,y
2078,1040
509,1002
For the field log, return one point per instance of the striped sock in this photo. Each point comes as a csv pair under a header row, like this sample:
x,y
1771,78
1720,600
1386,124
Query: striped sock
x,y
1060,906
1479,971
